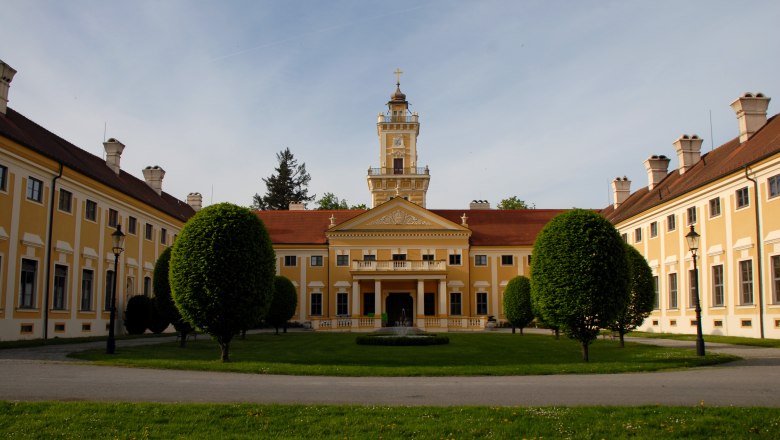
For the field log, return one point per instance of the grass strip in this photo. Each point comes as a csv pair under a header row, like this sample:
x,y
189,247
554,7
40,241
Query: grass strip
x,y
467,354
57,420
735,340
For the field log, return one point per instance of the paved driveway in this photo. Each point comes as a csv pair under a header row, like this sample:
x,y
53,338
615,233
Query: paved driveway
x,y
43,373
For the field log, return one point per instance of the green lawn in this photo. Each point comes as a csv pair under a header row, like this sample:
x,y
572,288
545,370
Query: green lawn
x,y
708,338
195,421
467,354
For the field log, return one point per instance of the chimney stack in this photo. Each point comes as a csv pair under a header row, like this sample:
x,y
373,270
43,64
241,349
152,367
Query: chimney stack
x,y
154,176
114,150
6,76
621,188
657,168
751,113
688,151
195,200
479,204
296,206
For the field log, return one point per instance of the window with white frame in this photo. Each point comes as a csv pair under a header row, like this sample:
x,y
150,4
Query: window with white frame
x,y
717,286
657,297
369,257
34,189
3,178
746,282
480,260
87,278
342,304
109,289
455,304
290,260
743,197
624,236
691,215
773,183
113,217
507,260
428,257
672,290
482,307
90,210
65,201
163,235
60,293
653,229
637,235
342,260
316,304
28,284
692,286
148,231
671,223
316,260
132,225
776,279
455,260
147,287
715,207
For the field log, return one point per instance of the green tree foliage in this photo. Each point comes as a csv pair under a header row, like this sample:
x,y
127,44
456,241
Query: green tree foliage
x,y
329,201
517,303
138,314
641,294
163,299
221,271
288,185
158,322
283,304
580,274
514,203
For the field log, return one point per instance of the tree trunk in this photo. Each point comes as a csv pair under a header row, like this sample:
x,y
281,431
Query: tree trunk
x,y
277,330
585,352
521,331
285,327
513,330
557,333
182,339
243,334
225,347
622,342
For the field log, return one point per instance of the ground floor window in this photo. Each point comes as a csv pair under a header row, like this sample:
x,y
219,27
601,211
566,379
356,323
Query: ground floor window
x,y
672,290
28,282
60,287
147,286
86,289
776,279
692,285
455,304
430,304
717,285
746,281
657,298
369,305
316,304
342,304
109,288
482,308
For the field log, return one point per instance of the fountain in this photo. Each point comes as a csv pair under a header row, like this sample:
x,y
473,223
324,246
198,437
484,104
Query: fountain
x,y
402,334
402,325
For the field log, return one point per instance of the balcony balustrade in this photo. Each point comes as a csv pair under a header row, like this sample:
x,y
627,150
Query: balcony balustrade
x,y
422,171
398,266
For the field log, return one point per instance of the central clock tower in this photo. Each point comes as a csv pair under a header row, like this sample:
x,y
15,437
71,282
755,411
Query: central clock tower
x,y
398,174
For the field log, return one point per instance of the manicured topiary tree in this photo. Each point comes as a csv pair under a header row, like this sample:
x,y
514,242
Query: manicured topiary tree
x,y
283,304
163,299
138,314
517,303
641,294
580,274
158,322
221,271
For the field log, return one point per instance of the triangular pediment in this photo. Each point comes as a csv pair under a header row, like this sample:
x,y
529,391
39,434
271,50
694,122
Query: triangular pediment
x,y
398,214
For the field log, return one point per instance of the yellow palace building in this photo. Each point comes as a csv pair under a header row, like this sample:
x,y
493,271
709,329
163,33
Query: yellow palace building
x,y
731,196
59,206
440,270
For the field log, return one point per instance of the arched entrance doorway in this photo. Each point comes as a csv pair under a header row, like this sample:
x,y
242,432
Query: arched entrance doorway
x,y
398,304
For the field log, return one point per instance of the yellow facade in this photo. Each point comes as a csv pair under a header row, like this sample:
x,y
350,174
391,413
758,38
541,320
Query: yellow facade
x,y
738,260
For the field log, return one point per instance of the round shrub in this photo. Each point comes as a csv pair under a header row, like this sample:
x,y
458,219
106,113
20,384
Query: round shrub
x,y
158,322
283,304
138,314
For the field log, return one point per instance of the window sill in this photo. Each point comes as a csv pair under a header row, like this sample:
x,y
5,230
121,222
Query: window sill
x,y
59,310
27,309
746,306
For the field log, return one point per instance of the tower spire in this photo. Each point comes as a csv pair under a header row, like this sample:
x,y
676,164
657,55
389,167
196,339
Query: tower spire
x,y
398,74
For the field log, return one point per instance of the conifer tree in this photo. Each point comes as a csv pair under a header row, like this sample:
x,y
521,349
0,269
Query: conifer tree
x,y
288,185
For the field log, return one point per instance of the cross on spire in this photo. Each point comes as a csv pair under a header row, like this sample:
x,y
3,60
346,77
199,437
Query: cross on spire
x,y
398,73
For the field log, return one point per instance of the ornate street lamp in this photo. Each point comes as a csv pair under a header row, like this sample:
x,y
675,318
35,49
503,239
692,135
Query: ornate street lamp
x,y
118,242
693,244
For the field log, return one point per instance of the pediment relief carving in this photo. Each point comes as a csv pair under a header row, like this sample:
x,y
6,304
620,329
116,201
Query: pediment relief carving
x,y
399,217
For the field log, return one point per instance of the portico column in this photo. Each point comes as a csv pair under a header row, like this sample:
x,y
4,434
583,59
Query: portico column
x,y
443,297
355,298
420,303
377,303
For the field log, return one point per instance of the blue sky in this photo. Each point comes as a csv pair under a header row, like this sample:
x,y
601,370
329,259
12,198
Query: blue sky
x,y
547,100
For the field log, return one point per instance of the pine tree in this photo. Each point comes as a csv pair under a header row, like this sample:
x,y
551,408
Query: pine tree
x,y
288,185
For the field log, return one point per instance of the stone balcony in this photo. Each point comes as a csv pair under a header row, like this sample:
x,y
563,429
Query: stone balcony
x,y
399,266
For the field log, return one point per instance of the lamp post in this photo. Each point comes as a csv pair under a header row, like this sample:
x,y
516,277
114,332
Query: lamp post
x,y
693,244
118,241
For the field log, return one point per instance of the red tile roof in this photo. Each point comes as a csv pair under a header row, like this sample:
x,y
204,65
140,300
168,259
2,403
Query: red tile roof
x,y
489,227
17,127
729,158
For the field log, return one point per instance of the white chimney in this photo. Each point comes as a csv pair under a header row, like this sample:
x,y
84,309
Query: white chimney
x,y
688,151
114,150
6,76
621,189
751,113
479,204
154,177
657,168
195,200
294,206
